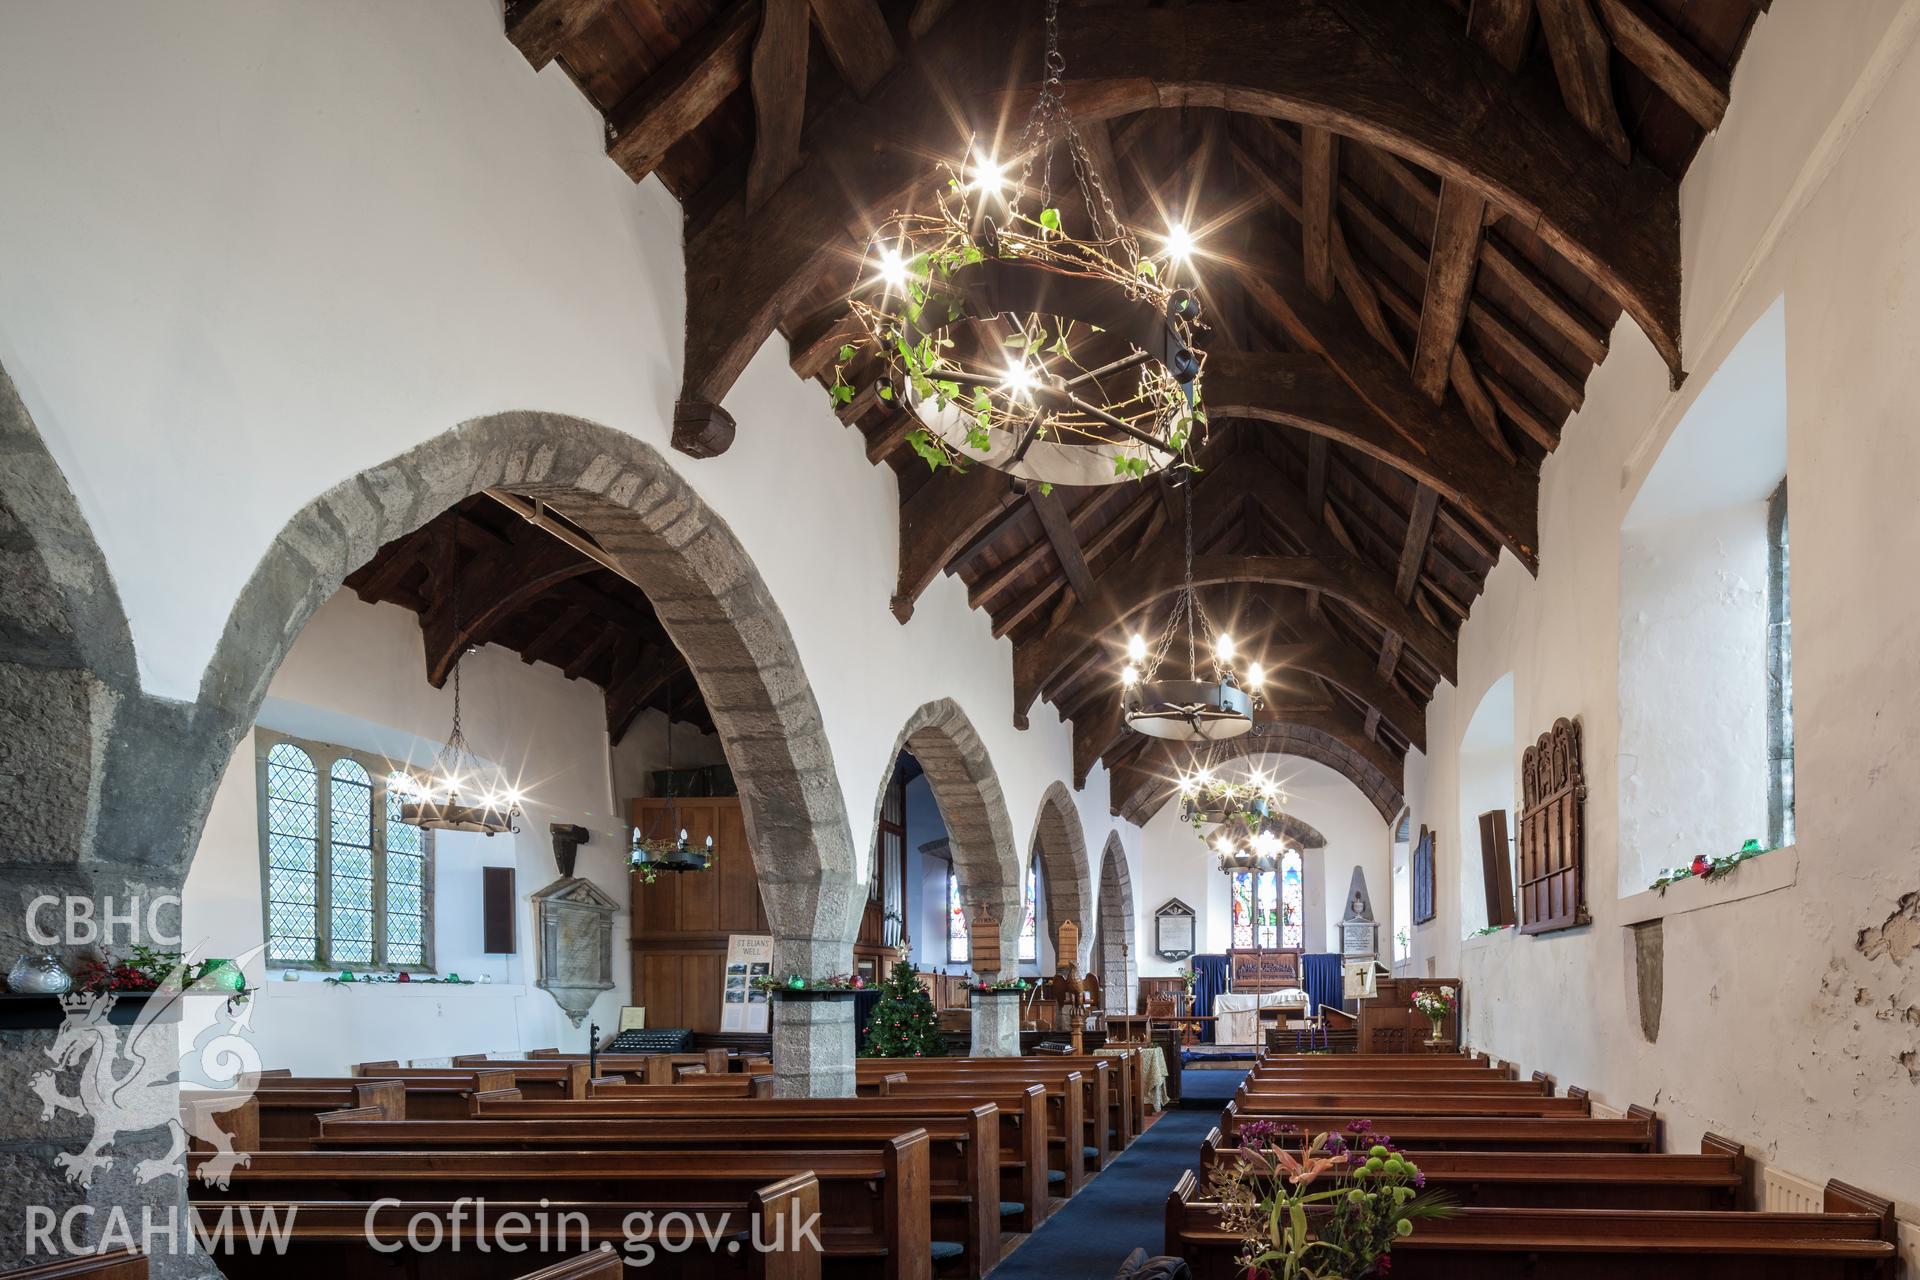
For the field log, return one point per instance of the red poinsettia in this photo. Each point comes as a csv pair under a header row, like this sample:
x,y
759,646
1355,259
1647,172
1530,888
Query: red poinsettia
x,y
1700,864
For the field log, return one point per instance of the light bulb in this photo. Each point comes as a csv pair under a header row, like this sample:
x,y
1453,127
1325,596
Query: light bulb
x,y
1019,379
1130,675
1179,242
1137,647
1223,647
1256,674
893,269
985,174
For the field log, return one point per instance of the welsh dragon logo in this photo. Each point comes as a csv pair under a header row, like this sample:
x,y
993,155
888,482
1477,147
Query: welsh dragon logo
x,y
128,1078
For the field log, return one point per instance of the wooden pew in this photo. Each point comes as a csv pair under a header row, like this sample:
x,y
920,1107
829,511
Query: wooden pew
x,y
1020,1111
288,1107
1064,1098
1426,1103
1397,1084
737,1085
533,1078
1853,1240
1338,1062
112,1264
1570,1180
1125,1089
600,1264
328,1239
1103,1110
662,1068
876,1197
1475,1133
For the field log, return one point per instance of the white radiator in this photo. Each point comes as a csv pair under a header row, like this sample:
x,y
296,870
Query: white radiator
x,y
1782,1192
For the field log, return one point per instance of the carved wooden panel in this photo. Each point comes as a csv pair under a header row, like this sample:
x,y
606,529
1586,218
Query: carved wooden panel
x,y
1264,969
1553,832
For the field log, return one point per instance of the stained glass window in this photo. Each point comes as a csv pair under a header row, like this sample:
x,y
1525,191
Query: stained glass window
x,y
347,882
1293,900
1029,945
958,948
1255,898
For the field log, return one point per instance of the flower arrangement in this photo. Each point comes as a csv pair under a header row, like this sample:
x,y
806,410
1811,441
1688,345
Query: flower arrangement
x,y
1331,1211
1000,984
1707,866
1436,1003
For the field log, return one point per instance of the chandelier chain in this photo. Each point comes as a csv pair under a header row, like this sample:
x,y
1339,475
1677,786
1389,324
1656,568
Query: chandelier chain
x,y
1051,122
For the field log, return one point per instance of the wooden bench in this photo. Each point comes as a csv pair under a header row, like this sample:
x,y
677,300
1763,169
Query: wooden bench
x,y
1019,1111
1474,1133
1064,1101
327,1240
662,1068
1396,1084
1852,1241
1124,1083
533,1078
872,1195
1713,1179
842,1154
112,1264
287,1108
1100,1109
1426,1102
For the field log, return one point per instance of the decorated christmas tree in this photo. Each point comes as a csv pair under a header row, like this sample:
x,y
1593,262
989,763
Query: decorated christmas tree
x,y
903,1024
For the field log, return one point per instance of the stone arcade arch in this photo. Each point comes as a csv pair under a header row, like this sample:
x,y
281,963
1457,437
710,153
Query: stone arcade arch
x,y
148,768
1117,965
1066,878
980,834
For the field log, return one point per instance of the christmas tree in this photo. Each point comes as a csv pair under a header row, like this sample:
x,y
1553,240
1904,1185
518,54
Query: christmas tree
x,y
904,1024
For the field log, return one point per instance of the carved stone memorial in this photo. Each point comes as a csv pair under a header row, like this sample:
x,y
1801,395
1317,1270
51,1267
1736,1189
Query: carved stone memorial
x,y
573,935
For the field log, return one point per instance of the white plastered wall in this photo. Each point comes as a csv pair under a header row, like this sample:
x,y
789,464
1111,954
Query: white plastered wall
x,y
343,229
1789,1017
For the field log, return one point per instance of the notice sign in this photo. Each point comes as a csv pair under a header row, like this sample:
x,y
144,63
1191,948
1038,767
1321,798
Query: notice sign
x,y
743,1005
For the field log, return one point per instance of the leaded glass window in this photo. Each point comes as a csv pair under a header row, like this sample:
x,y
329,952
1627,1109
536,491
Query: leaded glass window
x,y
1293,900
1240,896
1029,945
347,884
959,949
1254,900
1267,909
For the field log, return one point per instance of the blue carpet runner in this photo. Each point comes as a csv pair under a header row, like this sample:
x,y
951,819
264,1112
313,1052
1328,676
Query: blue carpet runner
x,y
1125,1206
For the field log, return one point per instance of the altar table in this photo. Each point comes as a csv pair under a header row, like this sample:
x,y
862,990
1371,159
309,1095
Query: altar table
x,y
1237,1013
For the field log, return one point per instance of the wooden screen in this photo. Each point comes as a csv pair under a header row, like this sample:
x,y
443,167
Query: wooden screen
x,y
1496,867
1423,905
1552,832
681,922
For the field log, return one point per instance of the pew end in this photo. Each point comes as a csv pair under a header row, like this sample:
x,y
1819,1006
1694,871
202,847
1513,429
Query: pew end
x,y
1652,1117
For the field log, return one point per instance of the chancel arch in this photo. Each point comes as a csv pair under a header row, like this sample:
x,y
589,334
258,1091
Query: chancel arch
x,y
967,791
1066,880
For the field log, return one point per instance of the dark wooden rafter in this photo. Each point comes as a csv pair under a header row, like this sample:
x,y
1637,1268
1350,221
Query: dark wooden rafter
x,y
1503,28
687,88
940,519
1400,77
1456,252
1581,54
779,96
857,40
539,29
492,585
1066,546
1668,59
1319,188
638,678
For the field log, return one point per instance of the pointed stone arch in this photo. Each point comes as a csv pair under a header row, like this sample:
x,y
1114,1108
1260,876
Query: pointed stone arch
x,y
1116,941
979,831
1066,876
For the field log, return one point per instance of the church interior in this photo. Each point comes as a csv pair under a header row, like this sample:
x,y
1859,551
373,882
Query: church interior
x,y
1240,639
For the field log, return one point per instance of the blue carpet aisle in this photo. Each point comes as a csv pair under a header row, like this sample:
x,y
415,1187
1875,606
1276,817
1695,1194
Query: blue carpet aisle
x,y
1123,1208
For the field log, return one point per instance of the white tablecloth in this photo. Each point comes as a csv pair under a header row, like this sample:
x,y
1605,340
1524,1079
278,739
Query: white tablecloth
x,y
1237,1012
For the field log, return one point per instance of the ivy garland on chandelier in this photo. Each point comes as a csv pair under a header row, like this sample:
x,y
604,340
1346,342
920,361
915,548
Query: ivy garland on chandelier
x,y
1080,366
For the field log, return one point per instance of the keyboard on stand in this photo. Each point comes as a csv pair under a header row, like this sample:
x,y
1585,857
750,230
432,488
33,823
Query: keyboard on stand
x,y
651,1040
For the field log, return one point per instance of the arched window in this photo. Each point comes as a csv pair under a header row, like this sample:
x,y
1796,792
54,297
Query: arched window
x,y
1029,942
959,949
347,884
1268,908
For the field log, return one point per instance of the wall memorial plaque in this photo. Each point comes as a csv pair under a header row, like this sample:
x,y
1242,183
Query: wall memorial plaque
x,y
573,932
1173,930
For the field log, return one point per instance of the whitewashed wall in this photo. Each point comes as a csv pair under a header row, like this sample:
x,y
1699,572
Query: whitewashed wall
x,y
1788,1016
346,228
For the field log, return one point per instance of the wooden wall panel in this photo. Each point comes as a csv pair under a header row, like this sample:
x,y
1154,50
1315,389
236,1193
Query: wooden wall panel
x,y
682,920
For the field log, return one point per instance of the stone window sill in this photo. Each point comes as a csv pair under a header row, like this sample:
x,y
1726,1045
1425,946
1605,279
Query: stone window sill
x,y
1773,871
1480,942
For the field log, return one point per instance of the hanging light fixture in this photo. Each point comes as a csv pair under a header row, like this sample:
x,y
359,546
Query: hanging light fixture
x,y
434,803
1080,368
1199,707
664,845
1255,850
1210,796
